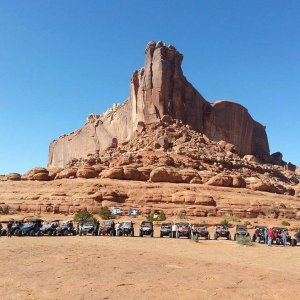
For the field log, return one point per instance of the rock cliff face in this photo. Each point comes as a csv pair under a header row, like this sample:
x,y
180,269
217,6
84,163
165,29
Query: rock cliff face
x,y
158,89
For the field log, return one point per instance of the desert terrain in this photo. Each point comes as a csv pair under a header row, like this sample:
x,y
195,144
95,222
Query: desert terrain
x,y
143,268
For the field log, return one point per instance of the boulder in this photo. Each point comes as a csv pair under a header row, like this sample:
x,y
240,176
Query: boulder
x,y
250,158
87,172
67,173
162,142
41,177
188,175
13,176
221,180
163,174
132,173
238,182
145,173
113,173
38,173
297,171
53,172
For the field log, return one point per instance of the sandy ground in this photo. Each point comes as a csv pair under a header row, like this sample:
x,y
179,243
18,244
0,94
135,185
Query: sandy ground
x,y
145,268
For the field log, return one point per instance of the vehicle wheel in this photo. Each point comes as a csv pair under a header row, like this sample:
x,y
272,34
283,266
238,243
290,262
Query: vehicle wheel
x,y
293,242
161,235
170,235
66,233
31,232
132,233
50,233
74,232
215,237
197,236
19,232
54,233
254,238
234,238
229,237
209,237
141,234
4,232
152,233
111,233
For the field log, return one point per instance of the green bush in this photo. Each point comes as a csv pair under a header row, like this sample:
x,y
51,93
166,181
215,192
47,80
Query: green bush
x,y
83,216
233,219
285,223
245,241
106,214
4,210
225,222
157,216
247,223
182,216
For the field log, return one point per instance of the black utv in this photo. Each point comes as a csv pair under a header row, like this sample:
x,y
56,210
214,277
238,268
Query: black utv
x,y
241,231
259,234
201,231
166,230
49,227
222,231
295,239
126,229
146,228
66,228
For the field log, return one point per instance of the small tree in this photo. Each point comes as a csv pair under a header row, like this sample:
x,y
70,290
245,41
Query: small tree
x,y
285,223
4,210
157,216
245,241
105,213
83,216
225,222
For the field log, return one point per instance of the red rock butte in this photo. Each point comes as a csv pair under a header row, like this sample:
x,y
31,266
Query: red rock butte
x,y
158,89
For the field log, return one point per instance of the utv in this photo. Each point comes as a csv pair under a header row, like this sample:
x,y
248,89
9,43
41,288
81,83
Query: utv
x,y
222,231
241,231
184,229
166,230
295,239
66,228
259,234
15,227
201,231
126,228
146,228
49,227
108,228
278,235
90,227
30,227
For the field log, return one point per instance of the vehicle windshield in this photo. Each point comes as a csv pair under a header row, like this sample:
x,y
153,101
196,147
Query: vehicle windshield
x,y
166,225
147,224
126,224
28,224
183,224
107,223
88,224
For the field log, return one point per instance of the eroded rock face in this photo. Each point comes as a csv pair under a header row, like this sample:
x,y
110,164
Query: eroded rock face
x,y
159,90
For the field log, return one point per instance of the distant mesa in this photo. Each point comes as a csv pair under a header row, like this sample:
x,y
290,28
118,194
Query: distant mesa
x,y
158,89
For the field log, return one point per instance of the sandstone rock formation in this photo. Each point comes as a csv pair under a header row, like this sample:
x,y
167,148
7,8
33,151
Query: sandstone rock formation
x,y
158,89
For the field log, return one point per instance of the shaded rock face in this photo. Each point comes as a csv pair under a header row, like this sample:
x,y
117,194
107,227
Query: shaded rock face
x,y
158,89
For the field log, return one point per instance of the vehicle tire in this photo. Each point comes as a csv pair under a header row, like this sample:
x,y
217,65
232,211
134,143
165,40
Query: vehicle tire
x,y
74,232
50,233
55,233
31,232
215,237
208,236
234,238
4,232
152,233
254,238
229,237
161,235
111,233
170,235
66,233
197,236
19,233
293,242
141,234
132,233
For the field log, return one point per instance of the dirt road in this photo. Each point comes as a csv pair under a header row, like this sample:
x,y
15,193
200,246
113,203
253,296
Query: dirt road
x,y
143,268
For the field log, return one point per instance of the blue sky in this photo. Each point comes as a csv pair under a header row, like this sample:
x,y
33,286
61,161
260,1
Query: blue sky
x,y
62,60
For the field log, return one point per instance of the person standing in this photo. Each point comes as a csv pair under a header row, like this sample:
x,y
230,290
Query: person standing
x,y
265,232
283,237
270,237
9,227
117,228
174,231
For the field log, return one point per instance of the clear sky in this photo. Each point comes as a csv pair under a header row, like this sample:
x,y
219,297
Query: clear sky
x,y
62,60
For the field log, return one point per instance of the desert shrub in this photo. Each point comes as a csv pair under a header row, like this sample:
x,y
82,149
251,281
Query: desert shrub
x,y
182,216
245,241
83,216
247,223
233,219
285,223
255,221
4,210
157,216
106,214
225,222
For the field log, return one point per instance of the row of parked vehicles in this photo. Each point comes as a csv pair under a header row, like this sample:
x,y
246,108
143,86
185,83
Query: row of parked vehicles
x,y
36,227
